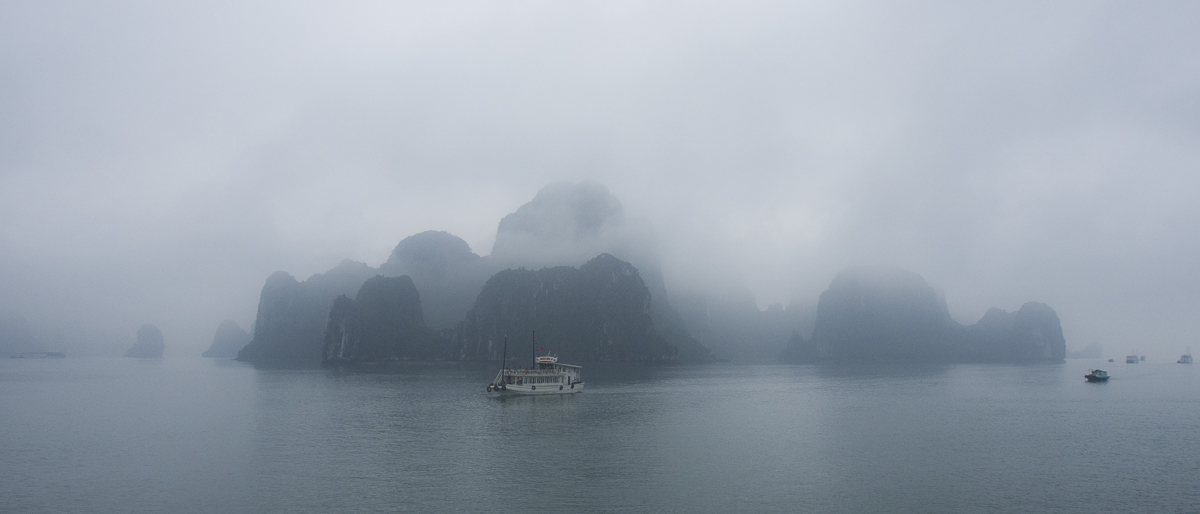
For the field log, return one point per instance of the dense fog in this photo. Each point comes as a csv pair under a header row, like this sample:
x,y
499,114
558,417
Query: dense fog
x,y
159,161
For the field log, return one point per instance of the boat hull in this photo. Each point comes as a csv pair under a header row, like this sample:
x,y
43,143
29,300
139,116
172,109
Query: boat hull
x,y
539,390
1093,378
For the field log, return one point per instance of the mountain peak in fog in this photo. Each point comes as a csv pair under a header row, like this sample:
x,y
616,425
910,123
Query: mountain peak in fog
x,y
149,343
564,223
433,252
228,341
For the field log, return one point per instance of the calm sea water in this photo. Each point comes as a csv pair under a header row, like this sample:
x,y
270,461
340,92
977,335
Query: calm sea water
x,y
197,435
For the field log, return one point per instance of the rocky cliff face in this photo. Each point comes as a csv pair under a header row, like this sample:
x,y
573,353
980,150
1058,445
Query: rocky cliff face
x,y
598,312
446,273
228,341
149,343
292,316
873,314
383,322
1033,333
566,224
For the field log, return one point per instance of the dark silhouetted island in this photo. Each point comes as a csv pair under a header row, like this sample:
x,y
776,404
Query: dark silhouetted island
x,y
563,225
290,328
888,314
149,343
228,341
382,323
597,312
446,273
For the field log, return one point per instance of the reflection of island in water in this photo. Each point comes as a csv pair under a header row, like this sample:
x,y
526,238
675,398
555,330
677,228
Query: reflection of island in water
x,y
39,355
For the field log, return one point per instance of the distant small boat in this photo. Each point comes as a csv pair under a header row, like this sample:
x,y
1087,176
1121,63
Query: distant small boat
x,y
1097,375
1110,360
1131,359
1185,358
39,355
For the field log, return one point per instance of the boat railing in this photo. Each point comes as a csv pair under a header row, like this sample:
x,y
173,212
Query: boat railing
x,y
532,371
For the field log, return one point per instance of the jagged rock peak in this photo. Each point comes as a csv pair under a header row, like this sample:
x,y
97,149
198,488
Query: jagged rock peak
x,y
1034,332
608,263
290,327
228,341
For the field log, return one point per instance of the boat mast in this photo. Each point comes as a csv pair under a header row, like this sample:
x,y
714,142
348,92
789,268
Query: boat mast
x,y
504,362
533,350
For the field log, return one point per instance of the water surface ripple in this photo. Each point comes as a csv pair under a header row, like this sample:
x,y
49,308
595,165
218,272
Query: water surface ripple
x,y
195,435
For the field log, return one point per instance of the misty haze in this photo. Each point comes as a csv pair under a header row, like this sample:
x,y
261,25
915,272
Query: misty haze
x,y
599,257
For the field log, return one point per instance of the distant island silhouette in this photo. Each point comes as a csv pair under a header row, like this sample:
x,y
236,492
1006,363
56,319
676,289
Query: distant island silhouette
x,y
569,265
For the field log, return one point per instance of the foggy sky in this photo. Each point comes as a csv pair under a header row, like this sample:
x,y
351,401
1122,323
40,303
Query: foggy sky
x,y
158,162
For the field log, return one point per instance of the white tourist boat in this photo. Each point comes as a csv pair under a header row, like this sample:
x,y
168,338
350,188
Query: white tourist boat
x,y
547,376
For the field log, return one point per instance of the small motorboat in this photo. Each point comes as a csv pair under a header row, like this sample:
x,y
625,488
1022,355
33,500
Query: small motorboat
x,y
1185,358
1131,359
1097,375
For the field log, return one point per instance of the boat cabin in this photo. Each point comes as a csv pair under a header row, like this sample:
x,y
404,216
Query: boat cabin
x,y
546,370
